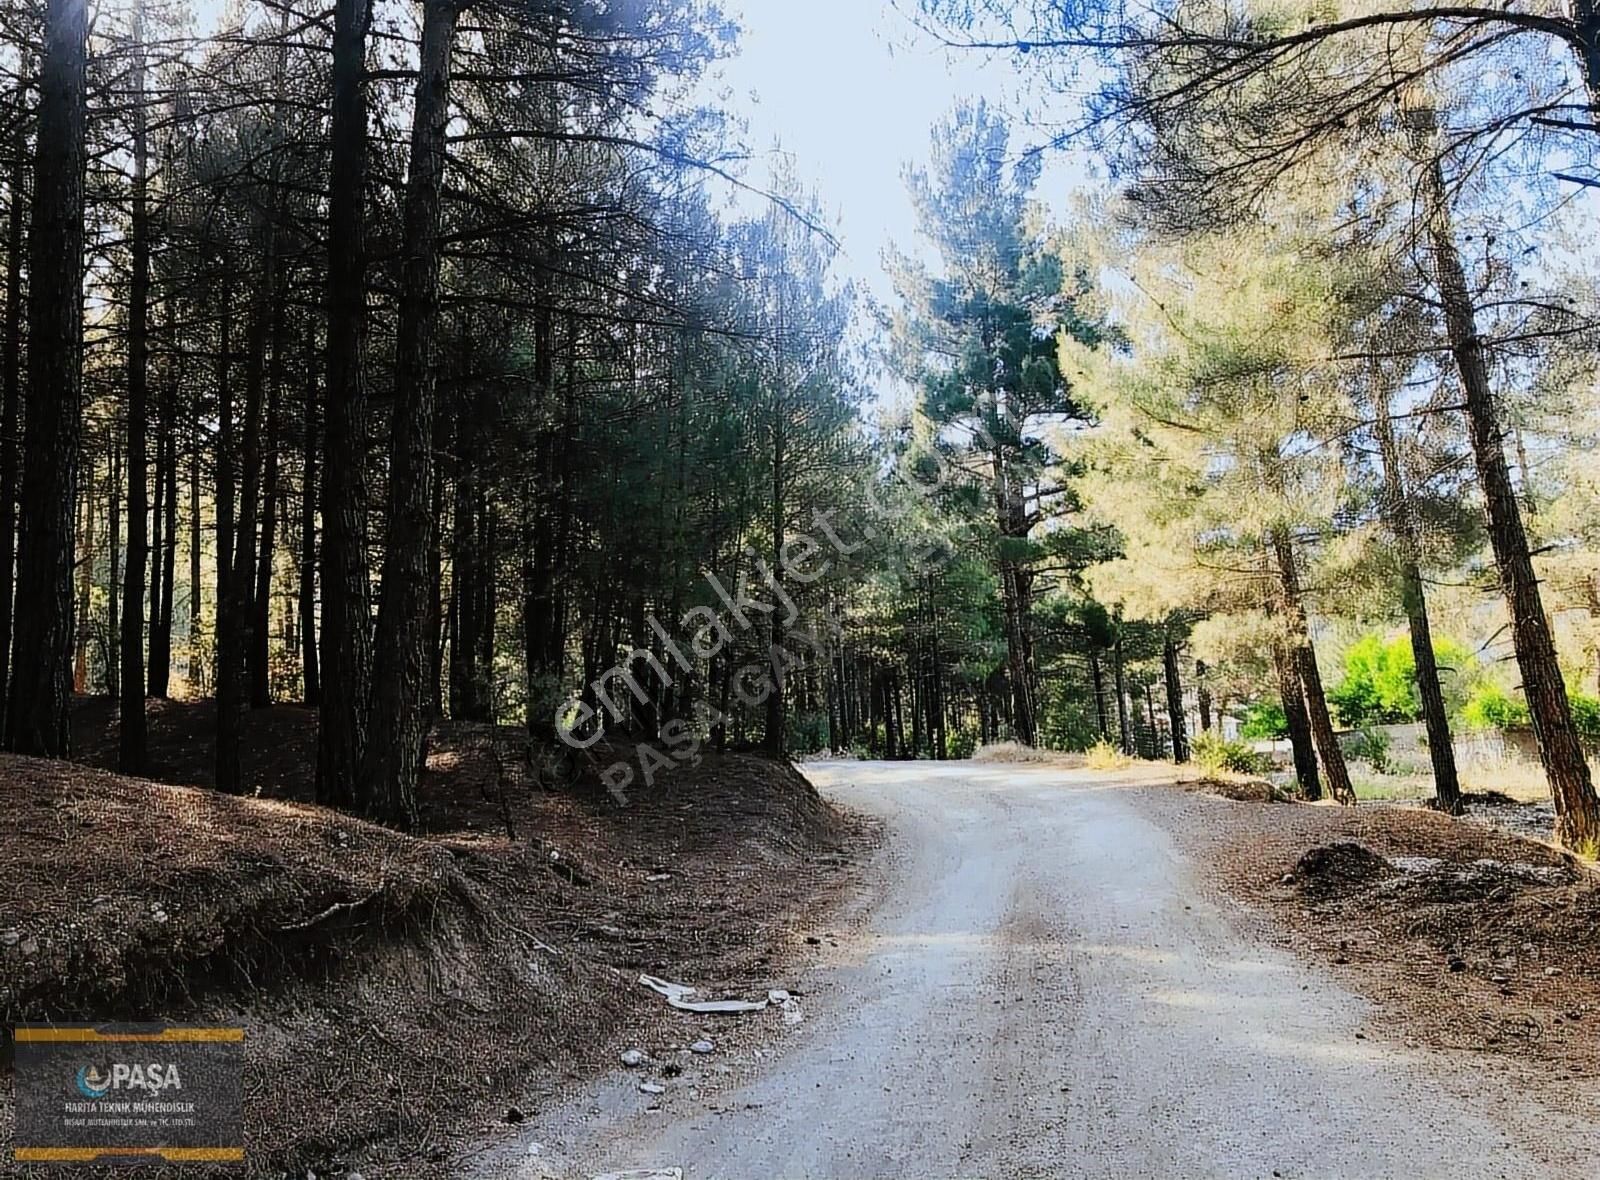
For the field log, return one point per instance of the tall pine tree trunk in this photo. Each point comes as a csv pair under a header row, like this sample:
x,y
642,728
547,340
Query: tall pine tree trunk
x,y
158,516
11,398
346,663
164,557
542,626
1305,660
1016,652
466,697
1298,723
773,736
80,659
225,459
114,583
236,609
195,672
132,728
235,615
1012,589
310,681
1120,684
1561,751
37,708
472,560
1180,735
397,743
1397,505
259,659
1097,680
433,699
936,701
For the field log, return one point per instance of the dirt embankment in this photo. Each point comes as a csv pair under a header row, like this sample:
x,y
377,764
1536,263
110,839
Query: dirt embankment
x,y
1465,936
392,985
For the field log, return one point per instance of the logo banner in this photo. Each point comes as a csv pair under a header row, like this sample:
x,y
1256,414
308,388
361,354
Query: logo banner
x,y
113,1093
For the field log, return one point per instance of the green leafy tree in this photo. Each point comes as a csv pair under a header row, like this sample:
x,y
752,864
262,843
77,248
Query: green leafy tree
x,y
1379,686
1203,463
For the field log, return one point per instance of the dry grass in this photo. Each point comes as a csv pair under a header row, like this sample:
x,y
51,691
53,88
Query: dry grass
x,y
1105,756
1514,778
1018,754
1523,781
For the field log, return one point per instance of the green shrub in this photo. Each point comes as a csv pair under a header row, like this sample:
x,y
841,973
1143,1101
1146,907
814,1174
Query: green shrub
x,y
1264,721
961,742
1220,755
1492,707
1379,686
1586,715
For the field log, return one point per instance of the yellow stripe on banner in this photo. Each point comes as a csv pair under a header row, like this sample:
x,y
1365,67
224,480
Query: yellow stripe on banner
x,y
88,1155
95,1036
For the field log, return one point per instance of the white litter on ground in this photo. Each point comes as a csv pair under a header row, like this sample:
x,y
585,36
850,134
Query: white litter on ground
x,y
665,988
717,1007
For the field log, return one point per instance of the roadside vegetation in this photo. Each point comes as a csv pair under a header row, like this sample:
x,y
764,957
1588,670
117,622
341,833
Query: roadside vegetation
x,y
1344,379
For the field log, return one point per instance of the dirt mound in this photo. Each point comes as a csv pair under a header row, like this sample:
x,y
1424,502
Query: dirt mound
x,y
1240,790
277,752
122,893
1346,868
1336,870
1427,880
419,978
347,951
1489,799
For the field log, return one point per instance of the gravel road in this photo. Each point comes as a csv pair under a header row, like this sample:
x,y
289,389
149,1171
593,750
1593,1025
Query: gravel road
x,y
1041,989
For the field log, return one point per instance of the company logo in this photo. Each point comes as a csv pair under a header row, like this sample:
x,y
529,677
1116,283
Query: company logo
x,y
95,1082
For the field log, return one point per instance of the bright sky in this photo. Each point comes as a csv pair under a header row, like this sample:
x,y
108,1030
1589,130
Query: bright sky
x,y
851,90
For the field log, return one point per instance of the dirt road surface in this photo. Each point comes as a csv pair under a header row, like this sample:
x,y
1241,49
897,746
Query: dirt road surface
x,y
1041,987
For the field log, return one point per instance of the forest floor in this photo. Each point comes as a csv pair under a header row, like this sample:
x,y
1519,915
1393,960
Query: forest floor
x,y
394,987
1466,933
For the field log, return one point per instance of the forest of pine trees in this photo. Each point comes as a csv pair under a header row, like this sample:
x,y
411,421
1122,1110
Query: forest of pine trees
x,y
412,370
1325,223
410,362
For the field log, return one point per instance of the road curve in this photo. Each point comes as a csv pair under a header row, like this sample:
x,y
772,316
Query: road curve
x,y
1044,991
